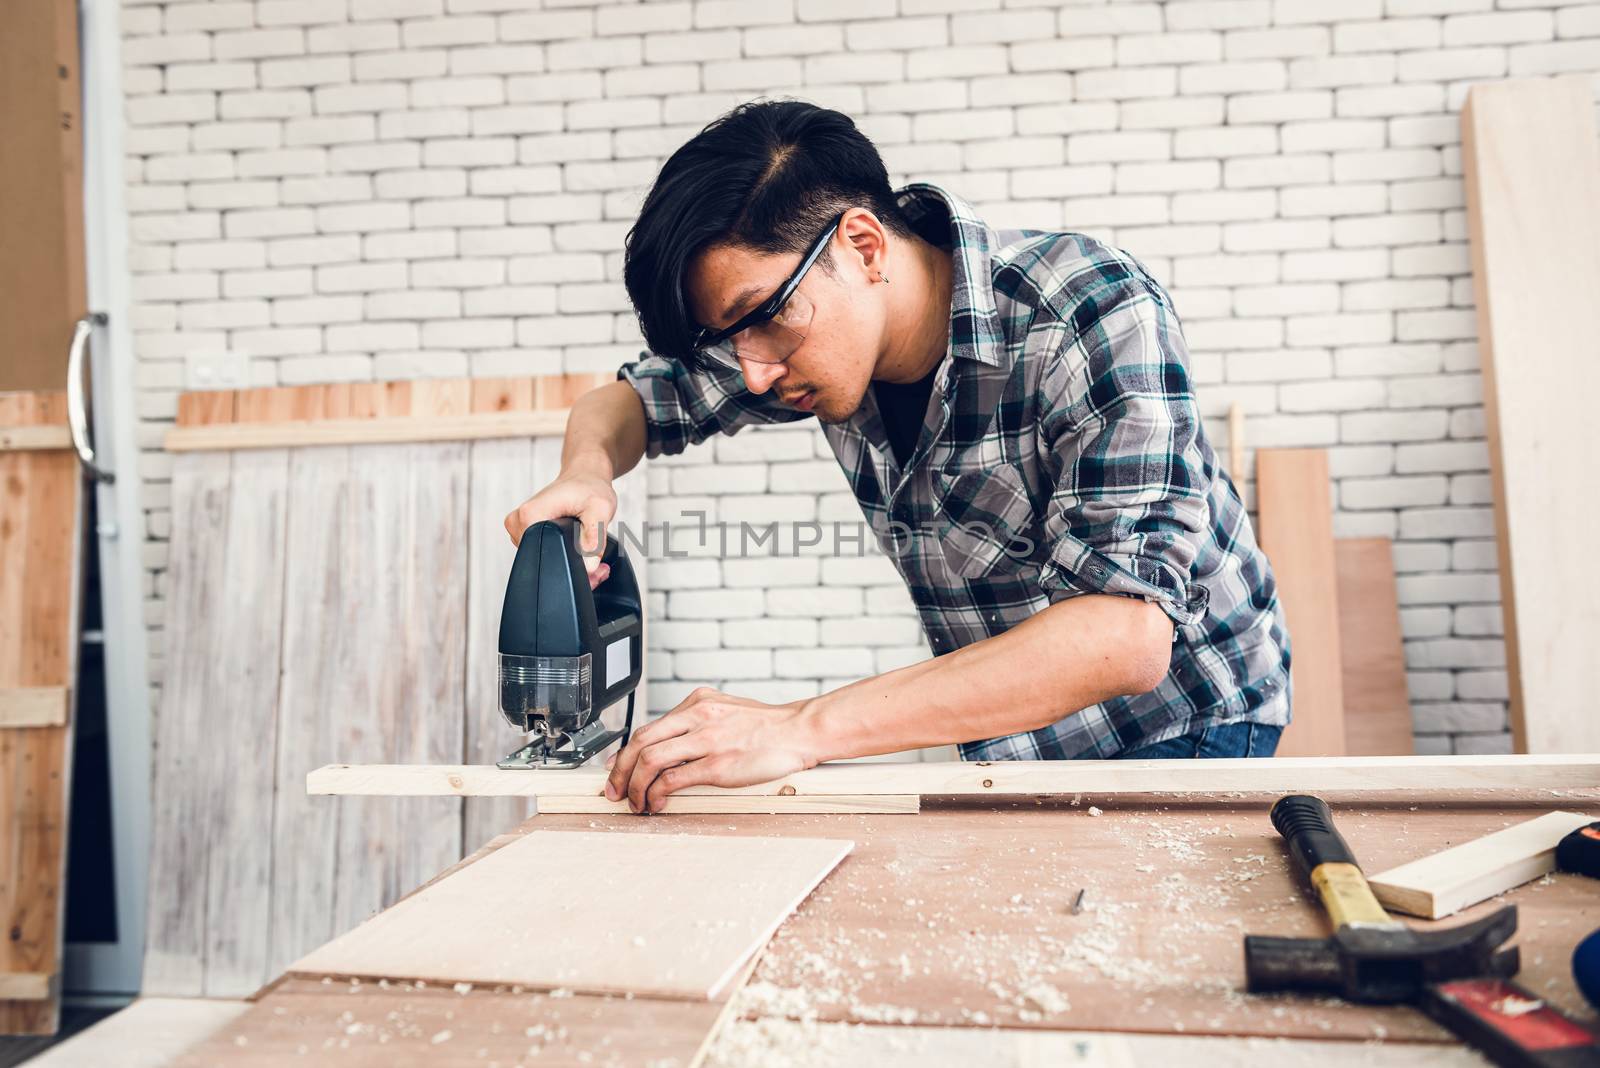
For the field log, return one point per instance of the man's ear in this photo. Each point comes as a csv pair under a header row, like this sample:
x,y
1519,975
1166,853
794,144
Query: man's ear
x,y
869,240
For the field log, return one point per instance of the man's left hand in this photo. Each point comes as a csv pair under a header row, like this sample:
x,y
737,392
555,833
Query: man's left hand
x,y
710,739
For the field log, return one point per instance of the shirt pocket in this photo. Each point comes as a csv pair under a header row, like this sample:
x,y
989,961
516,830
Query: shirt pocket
x,y
983,520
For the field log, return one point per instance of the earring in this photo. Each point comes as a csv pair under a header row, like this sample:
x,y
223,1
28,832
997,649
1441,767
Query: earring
x,y
884,279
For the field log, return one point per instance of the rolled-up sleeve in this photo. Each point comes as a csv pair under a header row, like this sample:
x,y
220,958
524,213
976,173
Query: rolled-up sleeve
x,y
684,407
1122,432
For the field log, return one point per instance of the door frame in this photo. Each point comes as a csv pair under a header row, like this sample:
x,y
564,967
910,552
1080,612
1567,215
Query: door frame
x,y
112,970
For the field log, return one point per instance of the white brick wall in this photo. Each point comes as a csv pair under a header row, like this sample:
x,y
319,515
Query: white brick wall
x,y
393,188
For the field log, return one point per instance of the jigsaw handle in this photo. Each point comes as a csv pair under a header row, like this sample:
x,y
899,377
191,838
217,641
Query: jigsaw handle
x,y
1307,827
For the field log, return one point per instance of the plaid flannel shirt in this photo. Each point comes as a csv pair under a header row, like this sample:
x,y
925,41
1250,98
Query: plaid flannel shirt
x,y
1062,454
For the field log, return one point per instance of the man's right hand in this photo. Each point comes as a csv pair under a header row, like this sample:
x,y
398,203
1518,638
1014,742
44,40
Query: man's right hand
x,y
586,496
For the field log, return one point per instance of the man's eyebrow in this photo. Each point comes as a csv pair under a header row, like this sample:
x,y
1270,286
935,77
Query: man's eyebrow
x,y
739,300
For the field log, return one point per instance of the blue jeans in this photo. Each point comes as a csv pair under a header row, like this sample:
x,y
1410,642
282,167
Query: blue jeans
x,y
1219,740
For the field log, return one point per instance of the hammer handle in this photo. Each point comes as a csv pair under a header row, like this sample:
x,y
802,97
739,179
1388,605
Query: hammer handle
x,y
1322,853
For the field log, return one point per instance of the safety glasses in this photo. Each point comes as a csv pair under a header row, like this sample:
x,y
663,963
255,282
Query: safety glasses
x,y
775,329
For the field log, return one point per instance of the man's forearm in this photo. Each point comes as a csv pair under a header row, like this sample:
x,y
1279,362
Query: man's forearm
x,y
605,432
1074,654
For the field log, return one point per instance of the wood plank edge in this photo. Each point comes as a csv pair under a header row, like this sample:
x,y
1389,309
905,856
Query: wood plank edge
x,y
745,804
384,430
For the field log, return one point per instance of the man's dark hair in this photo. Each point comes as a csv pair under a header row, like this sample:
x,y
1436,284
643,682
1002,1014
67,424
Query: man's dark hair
x,y
766,176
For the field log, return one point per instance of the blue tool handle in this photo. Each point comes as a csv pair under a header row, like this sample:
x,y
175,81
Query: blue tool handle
x,y
1586,968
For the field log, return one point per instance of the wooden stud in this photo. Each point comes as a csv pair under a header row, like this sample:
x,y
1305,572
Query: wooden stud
x,y
1279,774
1451,880
1296,525
34,438
34,706
1531,157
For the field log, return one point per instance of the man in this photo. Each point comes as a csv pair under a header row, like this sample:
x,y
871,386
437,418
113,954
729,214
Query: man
x,y
1015,419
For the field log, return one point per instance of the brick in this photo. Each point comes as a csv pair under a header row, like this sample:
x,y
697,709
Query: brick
x,y
1456,716
1398,426
1172,114
1447,523
1277,43
1450,456
1479,621
1335,396
1254,76
1279,106
1452,64
1388,100
1131,84
1502,28
1399,492
1076,54
1455,653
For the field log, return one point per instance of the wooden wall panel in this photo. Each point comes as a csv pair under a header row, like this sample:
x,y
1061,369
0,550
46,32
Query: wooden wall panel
x,y
1296,527
371,598
1532,161
40,546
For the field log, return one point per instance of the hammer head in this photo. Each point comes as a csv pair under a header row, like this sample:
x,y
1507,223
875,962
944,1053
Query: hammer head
x,y
1382,962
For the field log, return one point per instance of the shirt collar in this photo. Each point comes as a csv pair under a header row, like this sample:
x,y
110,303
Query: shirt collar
x,y
976,332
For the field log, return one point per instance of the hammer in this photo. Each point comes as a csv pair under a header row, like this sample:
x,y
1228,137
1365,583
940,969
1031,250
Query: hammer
x,y
1459,976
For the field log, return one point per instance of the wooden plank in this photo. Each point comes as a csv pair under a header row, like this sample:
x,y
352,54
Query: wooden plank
x,y
404,595
239,726
661,915
40,543
896,804
205,407
24,986
303,1022
1532,161
323,634
503,474
41,192
1447,882
385,430
1377,702
183,770
30,438
34,706
1306,774
1296,526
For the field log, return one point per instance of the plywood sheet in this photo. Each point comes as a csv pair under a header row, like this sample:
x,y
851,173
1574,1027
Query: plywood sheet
x,y
962,916
597,913
1377,703
1532,161
1296,526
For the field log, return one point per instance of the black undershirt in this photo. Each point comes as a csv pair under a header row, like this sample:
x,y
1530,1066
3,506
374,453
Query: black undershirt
x,y
903,407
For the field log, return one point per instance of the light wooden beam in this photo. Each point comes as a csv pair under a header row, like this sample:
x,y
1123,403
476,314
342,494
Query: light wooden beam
x,y
24,438
1276,775
1456,878
24,986
34,706
380,431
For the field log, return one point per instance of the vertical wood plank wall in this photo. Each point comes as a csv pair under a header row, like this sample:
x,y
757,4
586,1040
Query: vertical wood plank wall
x,y
40,546
328,603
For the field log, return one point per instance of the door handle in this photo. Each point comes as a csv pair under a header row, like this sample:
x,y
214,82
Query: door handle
x,y
77,413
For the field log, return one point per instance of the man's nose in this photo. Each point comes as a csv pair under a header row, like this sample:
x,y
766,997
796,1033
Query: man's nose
x,y
758,377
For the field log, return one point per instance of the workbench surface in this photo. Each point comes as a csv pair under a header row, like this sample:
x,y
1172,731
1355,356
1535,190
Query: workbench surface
x,y
962,916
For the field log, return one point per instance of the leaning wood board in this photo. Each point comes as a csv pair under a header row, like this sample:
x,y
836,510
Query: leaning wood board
x,y
1412,774
1296,525
322,596
1532,162
40,502
1372,659
591,913
1445,883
